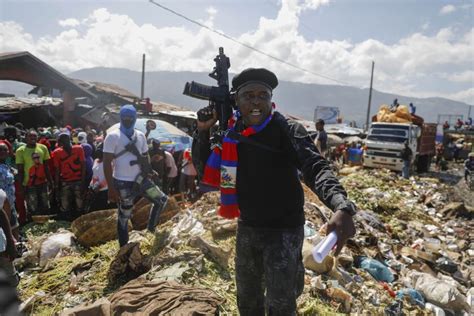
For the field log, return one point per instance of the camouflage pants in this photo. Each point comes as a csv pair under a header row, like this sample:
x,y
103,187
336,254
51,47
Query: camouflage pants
x,y
35,196
71,191
269,260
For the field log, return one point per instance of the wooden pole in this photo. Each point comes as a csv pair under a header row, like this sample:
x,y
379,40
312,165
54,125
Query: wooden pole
x,y
370,98
142,95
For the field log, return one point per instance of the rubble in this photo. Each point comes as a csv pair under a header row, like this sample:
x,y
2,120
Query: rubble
x,y
414,231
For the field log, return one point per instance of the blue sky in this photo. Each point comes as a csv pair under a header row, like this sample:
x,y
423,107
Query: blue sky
x,y
421,48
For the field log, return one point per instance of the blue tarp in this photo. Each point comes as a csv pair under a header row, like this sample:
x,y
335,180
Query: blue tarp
x,y
171,137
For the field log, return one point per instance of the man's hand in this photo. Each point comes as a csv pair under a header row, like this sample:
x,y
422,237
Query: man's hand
x,y
206,125
342,223
113,195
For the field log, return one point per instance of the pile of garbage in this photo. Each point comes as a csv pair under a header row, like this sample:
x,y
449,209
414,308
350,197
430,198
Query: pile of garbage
x,y
412,254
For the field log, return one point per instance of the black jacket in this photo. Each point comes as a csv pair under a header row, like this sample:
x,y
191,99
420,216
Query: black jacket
x,y
406,153
269,191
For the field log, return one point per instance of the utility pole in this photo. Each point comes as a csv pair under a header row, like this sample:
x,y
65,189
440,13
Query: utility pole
x,y
370,98
142,95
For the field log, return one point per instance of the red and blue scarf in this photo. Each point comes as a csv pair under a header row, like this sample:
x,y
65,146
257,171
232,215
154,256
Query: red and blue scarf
x,y
221,168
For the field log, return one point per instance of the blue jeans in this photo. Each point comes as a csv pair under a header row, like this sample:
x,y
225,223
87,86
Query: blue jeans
x,y
406,169
128,191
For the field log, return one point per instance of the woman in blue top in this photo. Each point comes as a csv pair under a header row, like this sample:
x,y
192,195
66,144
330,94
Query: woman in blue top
x,y
7,184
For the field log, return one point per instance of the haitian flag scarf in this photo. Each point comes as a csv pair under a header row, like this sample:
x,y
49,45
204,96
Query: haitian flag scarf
x,y
221,168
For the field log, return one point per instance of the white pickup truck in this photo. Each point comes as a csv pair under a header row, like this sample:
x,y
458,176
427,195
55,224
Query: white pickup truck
x,y
385,142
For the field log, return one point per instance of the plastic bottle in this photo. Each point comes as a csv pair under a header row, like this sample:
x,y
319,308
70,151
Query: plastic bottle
x,y
321,250
438,311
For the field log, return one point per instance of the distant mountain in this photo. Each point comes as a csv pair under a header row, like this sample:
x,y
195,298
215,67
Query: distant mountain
x,y
294,98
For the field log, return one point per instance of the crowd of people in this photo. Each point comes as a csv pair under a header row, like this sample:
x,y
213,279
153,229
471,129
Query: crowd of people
x,y
347,153
60,172
460,125
350,153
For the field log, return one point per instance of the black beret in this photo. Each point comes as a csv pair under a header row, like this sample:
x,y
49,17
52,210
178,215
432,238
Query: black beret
x,y
260,75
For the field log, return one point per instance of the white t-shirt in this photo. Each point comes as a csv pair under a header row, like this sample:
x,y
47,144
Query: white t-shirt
x,y
188,168
98,176
114,143
170,163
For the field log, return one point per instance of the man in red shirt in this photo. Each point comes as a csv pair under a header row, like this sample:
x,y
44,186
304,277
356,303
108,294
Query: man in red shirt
x,y
70,171
148,106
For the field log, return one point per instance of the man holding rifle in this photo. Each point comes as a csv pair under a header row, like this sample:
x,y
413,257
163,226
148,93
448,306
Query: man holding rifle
x,y
256,169
128,148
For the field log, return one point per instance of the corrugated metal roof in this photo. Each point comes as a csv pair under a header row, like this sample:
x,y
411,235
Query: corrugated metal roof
x,y
102,87
17,103
24,67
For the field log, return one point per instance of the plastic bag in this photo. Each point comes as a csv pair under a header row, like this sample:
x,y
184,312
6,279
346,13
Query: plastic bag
x,y
53,244
413,295
188,224
376,269
438,292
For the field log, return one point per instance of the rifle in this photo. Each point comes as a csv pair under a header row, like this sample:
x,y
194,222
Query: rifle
x,y
141,160
220,98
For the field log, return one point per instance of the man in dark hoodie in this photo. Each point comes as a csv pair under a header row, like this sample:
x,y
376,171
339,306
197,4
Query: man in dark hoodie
x,y
259,183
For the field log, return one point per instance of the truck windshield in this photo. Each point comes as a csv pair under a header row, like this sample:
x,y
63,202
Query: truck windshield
x,y
384,138
388,133
393,132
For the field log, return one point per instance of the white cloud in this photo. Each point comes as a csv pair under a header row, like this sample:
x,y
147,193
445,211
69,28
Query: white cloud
x,y
212,12
313,4
425,26
107,39
14,38
69,22
447,9
465,76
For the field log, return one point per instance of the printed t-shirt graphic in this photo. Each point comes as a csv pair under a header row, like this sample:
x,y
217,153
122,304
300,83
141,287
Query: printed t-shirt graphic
x,y
34,167
69,165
